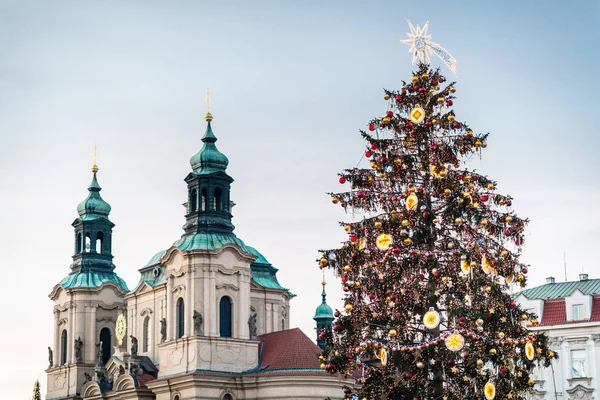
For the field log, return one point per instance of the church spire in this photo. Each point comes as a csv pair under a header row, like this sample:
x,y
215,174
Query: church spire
x,y
323,315
208,186
93,230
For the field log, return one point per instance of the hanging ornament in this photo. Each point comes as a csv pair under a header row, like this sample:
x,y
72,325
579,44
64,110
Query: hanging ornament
x,y
464,265
509,279
489,390
382,355
384,241
455,342
438,172
362,244
529,351
486,265
417,115
431,319
411,202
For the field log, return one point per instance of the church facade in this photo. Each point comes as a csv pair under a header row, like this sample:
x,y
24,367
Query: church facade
x,y
208,318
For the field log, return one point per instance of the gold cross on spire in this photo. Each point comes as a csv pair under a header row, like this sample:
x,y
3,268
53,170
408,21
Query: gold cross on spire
x,y
208,116
95,167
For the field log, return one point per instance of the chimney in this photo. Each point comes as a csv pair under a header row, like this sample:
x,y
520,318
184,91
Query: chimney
x,y
583,277
550,279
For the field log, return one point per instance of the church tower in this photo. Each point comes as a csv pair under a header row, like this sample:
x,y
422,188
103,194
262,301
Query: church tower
x,y
87,301
323,316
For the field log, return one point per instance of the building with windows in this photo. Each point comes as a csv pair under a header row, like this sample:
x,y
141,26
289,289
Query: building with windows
x,y
570,316
208,318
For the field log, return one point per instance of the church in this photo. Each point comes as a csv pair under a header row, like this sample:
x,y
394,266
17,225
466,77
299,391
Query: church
x,y
208,318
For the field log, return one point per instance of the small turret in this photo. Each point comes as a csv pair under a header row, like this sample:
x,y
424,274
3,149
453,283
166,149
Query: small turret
x,y
323,315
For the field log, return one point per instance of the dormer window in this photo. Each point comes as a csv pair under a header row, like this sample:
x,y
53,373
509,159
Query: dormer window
x,y
577,312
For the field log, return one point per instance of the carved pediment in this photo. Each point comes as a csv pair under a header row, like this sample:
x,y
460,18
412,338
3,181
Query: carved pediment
x,y
580,392
227,286
90,389
146,311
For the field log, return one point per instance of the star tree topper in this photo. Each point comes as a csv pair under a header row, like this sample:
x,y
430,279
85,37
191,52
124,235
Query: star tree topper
x,y
422,47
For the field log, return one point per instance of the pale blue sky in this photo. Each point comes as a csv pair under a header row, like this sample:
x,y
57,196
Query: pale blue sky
x,y
292,82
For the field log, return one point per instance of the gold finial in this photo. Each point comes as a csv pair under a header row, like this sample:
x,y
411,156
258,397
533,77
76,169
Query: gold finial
x,y
95,167
208,116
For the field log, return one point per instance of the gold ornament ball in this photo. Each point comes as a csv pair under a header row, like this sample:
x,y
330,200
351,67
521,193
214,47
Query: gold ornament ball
x,y
392,333
323,365
440,100
335,200
490,186
479,322
405,223
357,284
500,335
347,228
493,352
378,224
452,89
488,289
386,96
420,365
451,118
348,308
550,355
425,76
484,222
470,133
473,264
347,268
436,87
458,221
415,79
407,242
508,219
530,382
480,363
436,220
504,253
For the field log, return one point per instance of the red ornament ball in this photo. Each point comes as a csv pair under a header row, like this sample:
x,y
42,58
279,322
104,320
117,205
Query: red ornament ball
x,y
449,102
353,239
374,146
342,180
484,198
390,114
371,128
398,99
367,154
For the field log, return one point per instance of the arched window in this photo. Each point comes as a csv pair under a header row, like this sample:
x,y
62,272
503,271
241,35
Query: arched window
x,y
88,242
180,318
99,242
218,199
204,200
227,397
63,347
225,317
105,338
194,201
147,335
176,397
78,244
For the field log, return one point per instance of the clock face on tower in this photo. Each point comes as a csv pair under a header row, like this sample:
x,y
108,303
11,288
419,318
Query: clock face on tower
x,y
121,329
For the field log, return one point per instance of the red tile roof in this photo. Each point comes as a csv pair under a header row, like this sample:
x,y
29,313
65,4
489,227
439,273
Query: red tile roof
x,y
555,312
289,349
144,378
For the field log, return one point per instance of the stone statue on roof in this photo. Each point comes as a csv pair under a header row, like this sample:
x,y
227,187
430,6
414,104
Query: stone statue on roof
x,y
78,348
252,325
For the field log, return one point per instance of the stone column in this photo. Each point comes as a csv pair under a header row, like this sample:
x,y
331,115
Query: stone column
x,y
206,309
57,350
212,301
244,305
189,305
71,332
92,336
170,319
269,317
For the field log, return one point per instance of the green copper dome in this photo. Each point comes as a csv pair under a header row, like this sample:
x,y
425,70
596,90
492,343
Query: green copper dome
x,y
93,206
324,312
209,159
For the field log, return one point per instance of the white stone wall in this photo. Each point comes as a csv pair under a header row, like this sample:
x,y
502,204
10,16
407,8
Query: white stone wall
x,y
564,339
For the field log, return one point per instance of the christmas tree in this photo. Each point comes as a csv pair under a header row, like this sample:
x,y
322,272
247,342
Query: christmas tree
x,y
36,390
431,257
